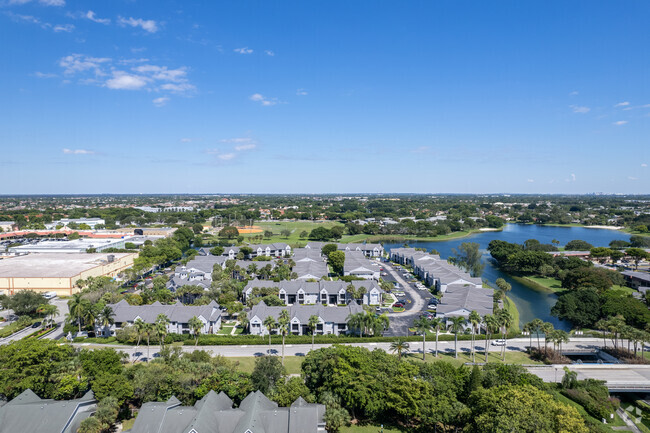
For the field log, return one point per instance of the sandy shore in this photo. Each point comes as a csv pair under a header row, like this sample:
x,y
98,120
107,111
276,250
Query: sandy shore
x,y
604,227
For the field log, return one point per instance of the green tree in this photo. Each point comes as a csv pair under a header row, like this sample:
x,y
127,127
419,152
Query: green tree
x,y
24,302
457,324
286,393
436,324
578,245
283,328
505,322
270,325
422,325
285,233
216,251
328,248
474,320
313,324
229,232
491,325
637,254
161,328
77,306
195,325
468,257
337,261
399,346
267,374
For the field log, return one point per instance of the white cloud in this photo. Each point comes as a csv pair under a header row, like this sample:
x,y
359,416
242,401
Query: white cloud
x,y
574,93
226,156
530,180
632,178
148,25
572,178
78,152
241,143
248,146
269,53
52,2
622,104
92,17
644,165
124,81
44,75
620,123
301,92
63,28
127,74
76,63
579,109
244,50
160,102
185,140
257,97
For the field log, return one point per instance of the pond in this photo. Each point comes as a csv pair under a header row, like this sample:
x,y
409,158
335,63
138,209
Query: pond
x,y
531,303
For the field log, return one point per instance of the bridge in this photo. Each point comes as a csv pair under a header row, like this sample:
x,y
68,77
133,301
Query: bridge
x,y
619,378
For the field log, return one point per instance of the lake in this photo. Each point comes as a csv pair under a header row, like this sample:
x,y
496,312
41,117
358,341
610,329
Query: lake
x,y
531,303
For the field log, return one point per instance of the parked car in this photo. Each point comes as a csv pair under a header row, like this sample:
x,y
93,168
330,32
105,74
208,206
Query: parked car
x,y
383,274
398,305
427,315
378,309
499,342
434,301
36,325
402,301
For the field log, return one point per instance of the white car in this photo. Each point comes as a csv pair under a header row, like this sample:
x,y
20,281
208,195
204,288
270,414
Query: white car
x,y
499,342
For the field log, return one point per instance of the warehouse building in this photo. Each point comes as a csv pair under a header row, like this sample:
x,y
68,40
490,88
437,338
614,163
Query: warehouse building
x,y
58,272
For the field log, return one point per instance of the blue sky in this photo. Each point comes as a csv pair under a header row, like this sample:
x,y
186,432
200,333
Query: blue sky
x,y
128,96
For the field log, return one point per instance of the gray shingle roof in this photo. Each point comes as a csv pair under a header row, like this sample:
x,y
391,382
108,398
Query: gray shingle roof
x,y
460,296
29,413
292,287
304,312
176,312
214,414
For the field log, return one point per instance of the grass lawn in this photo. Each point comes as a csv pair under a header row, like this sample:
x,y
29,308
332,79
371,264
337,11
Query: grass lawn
x,y
296,227
128,424
407,238
624,289
541,283
225,330
370,429
512,308
247,363
463,356
617,421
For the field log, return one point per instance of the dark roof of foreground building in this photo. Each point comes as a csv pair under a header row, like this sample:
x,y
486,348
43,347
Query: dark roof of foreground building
x,y
30,413
176,312
214,413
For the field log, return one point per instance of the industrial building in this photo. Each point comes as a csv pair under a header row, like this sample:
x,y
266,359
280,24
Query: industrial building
x,y
58,272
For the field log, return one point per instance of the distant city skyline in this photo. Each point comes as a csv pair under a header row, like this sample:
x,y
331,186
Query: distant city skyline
x,y
324,97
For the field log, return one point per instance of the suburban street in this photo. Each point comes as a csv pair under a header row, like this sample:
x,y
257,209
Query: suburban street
x,y
416,303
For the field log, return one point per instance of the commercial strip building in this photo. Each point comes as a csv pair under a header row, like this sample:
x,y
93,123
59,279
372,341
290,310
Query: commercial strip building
x,y
318,292
53,272
65,222
215,413
331,320
30,413
178,315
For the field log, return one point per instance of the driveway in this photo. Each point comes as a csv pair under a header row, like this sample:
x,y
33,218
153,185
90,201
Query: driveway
x,y
401,322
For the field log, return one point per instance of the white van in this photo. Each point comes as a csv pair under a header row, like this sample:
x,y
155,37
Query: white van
x,y
49,295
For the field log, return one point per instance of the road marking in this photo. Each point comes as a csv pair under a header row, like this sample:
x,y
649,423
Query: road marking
x,y
289,345
244,346
372,344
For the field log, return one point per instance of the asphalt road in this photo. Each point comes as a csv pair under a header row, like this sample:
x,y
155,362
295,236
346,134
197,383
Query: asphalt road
x,y
62,305
416,303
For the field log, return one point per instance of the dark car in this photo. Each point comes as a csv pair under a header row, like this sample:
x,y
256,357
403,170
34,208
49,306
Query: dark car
x,y
402,301
36,325
434,301
427,315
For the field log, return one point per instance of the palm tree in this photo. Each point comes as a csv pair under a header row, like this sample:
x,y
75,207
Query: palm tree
x,y
148,330
48,310
379,324
536,325
243,320
505,320
529,328
77,306
140,326
603,325
195,325
422,325
491,324
474,320
283,328
615,325
399,346
457,324
91,314
547,328
436,324
161,328
270,324
313,323
106,317
355,321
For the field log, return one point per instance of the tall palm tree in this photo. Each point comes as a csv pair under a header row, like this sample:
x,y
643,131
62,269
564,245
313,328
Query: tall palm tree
x,y
505,321
243,320
457,324
529,329
379,324
615,325
195,325
422,325
50,311
312,324
399,346
355,321
148,332
140,326
436,324
283,328
270,324
491,324
91,314
603,325
536,325
106,317
547,328
161,328
474,320
77,306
